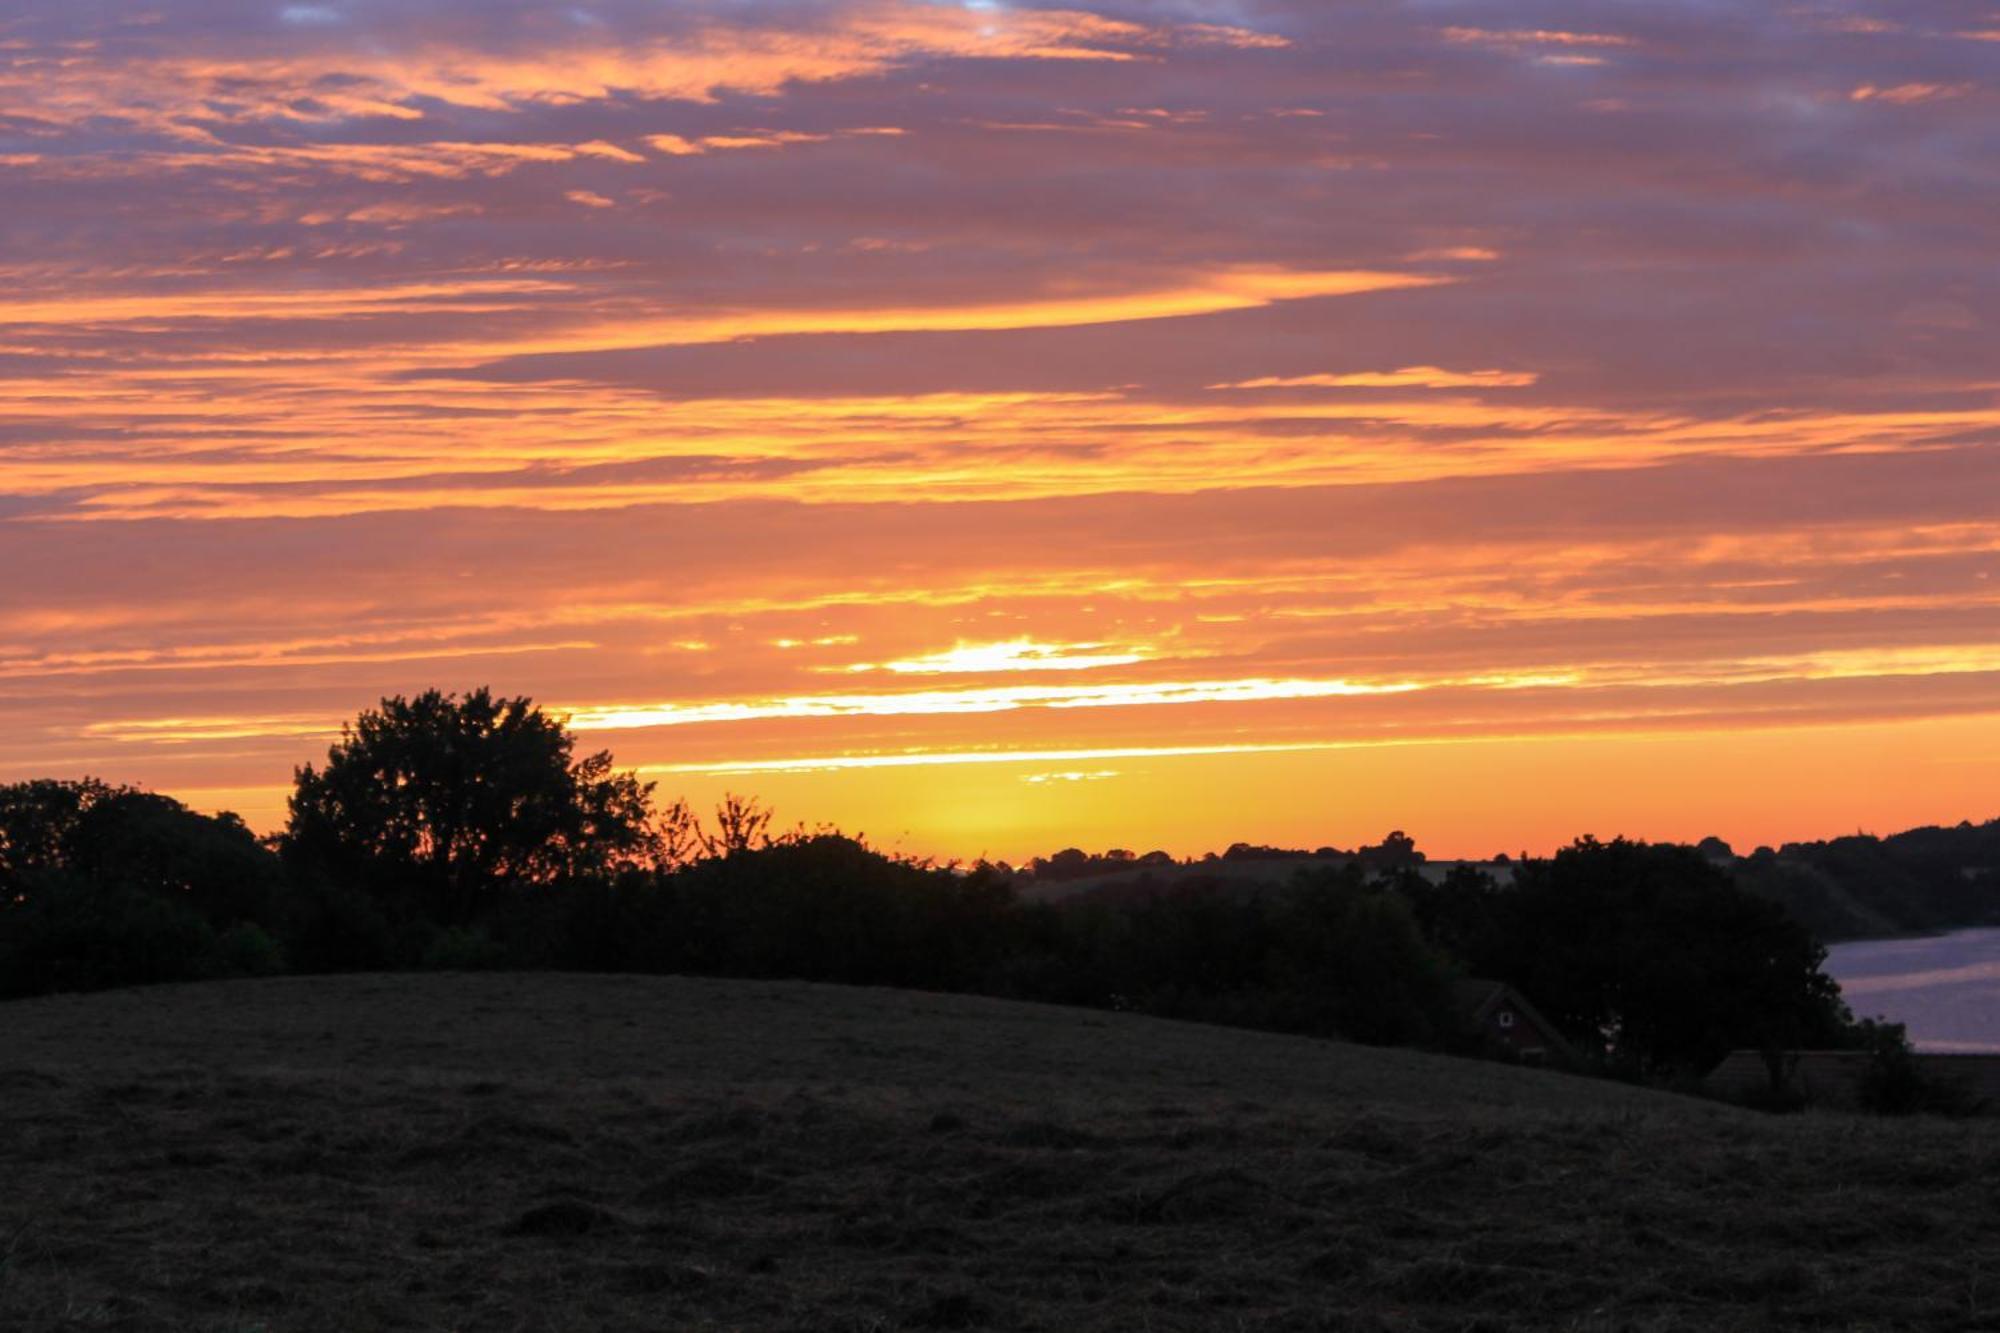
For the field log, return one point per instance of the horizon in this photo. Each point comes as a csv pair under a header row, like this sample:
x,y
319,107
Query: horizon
x,y
1000,427
785,821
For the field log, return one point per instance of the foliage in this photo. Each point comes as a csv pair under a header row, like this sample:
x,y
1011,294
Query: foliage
x,y
106,886
1332,955
246,949
1651,957
449,798
1073,863
817,906
1357,952
72,933
463,949
337,926
1896,1084
136,839
1460,914
1924,879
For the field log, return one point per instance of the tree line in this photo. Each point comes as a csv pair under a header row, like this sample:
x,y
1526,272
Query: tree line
x,y
1862,886
464,831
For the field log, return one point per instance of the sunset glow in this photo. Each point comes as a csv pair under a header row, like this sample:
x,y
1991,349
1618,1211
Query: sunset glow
x,y
1001,426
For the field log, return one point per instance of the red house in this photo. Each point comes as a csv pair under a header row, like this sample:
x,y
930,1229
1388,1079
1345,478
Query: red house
x,y
1509,1026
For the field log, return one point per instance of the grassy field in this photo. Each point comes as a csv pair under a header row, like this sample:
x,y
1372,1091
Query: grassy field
x,y
561,1152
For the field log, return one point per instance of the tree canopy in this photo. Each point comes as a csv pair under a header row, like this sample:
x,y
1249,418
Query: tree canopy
x,y
106,885
1654,957
454,796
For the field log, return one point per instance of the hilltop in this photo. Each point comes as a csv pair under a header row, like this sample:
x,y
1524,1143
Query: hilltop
x,y
581,1152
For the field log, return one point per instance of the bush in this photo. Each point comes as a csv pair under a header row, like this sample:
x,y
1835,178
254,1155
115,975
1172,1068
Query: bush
x,y
1896,1083
463,949
69,934
336,928
247,950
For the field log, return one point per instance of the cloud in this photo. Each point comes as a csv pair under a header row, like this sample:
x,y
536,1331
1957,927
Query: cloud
x,y
1903,94
511,61
675,145
310,15
1471,254
1012,655
1417,377
1515,39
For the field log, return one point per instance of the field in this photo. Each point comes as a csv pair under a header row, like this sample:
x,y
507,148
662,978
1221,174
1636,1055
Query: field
x,y
560,1152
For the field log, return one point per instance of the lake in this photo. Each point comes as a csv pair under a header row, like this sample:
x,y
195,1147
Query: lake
x,y
1945,988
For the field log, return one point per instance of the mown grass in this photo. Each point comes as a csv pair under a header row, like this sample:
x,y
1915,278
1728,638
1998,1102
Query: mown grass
x,y
538,1152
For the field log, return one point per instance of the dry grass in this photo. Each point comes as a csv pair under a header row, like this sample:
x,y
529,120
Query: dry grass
x,y
555,1152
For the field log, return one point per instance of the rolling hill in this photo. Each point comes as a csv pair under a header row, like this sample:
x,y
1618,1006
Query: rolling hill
x,y
572,1152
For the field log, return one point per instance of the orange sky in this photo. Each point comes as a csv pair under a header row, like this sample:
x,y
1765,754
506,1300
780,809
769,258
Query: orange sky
x,y
995,427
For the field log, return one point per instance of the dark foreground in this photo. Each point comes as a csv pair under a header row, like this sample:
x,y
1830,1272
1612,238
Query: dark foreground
x,y
520,1152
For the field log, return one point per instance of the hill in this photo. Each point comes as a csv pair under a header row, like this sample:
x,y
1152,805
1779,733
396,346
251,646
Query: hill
x,y
1919,881
1858,887
570,1152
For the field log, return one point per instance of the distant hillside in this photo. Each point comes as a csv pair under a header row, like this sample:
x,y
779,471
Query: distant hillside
x,y
1860,886
1119,876
1855,887
1249,875
565,1152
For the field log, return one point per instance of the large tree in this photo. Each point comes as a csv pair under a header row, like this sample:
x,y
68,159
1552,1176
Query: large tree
x,y
1654,957
453,797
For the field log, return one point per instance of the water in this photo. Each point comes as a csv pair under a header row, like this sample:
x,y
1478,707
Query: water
x,y
1945,988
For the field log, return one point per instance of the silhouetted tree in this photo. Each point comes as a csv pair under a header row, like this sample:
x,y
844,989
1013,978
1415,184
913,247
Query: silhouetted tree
x,y
1459,914
1250,851
453,797
1652,956
815,906
109,886
1397,851
742,824
681,838
1069,863
1352,959
39,822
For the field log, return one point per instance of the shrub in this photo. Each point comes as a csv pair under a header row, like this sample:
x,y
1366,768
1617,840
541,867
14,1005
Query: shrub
x,y
70,934
1896,1083
247,950
463,949
338,928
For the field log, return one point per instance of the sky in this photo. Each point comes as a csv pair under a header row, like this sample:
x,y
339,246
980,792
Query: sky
x,y
993,427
